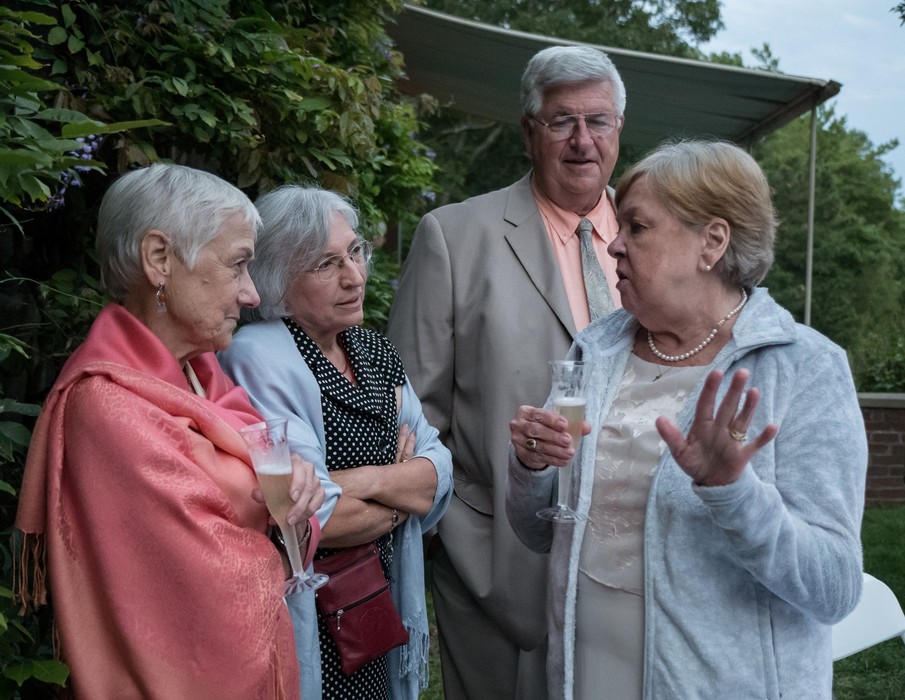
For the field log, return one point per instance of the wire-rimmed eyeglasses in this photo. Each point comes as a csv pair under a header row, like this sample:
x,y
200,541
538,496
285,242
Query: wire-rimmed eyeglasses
x,y
563,126
328,269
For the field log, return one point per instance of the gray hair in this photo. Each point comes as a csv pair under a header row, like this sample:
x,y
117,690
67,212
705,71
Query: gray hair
x,y
294,237
188,205
698,181
567,64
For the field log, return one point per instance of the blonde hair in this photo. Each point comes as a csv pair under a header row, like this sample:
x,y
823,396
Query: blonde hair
x,y
698,181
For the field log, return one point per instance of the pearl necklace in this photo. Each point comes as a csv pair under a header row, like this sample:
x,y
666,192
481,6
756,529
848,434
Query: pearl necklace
x,y
703,344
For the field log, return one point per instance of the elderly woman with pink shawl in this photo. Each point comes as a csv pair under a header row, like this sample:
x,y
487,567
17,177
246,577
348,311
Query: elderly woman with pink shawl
x,y
139,499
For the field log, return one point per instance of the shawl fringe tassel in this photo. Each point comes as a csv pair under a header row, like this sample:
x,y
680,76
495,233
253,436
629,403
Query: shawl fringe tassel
x,y
30,571
414,655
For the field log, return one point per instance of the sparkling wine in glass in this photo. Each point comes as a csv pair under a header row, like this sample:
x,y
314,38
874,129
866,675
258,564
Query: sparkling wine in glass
x,y
268,447
567,398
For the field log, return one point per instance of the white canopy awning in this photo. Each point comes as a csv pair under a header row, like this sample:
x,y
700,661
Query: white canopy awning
x,y
477,68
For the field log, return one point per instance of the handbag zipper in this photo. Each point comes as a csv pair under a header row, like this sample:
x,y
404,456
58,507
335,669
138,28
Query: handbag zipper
x,y
339,613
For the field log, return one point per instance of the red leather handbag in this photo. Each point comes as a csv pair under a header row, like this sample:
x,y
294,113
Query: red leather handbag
x,y
357,606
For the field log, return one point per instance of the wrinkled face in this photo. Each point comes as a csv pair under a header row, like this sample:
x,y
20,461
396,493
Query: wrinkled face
x,y
203,303
324,308
656,255
573,172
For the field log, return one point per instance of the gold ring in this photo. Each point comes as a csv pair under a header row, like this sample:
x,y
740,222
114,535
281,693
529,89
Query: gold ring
x,y
735,435
531,444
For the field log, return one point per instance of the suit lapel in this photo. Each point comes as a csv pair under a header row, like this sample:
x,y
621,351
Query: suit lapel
x,y
531,245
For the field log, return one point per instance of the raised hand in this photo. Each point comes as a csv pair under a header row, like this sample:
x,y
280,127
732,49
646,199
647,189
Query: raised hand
x,y
717,447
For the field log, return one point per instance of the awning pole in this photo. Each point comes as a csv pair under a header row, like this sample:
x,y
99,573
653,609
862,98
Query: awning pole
x,y
812,185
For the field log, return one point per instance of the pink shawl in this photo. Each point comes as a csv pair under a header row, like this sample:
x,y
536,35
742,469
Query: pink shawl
x,y
164,583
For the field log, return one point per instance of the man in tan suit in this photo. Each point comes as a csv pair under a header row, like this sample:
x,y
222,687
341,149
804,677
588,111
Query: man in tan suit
x,y
492,290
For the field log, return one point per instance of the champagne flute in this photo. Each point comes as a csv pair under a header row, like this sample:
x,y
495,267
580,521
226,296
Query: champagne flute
x,y
268,447
567,398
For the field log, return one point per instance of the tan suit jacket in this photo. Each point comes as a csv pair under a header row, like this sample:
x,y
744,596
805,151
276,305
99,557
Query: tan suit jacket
x,y
480,311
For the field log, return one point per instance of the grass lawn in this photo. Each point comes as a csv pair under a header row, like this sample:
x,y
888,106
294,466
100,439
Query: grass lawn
x,y
877,673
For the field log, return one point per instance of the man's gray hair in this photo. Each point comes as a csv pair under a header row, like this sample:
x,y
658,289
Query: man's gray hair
x,y
567,64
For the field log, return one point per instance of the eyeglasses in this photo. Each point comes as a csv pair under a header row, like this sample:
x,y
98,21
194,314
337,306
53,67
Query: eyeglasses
x,y
328,269
562,127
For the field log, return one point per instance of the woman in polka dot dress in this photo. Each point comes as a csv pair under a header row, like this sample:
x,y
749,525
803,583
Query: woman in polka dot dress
x,y
352,414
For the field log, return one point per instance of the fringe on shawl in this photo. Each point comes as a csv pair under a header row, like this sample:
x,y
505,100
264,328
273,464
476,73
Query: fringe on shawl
x,y
30,571
413,657
30,587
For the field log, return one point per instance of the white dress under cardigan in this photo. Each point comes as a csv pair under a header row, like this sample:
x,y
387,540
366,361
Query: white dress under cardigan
x,y
609,628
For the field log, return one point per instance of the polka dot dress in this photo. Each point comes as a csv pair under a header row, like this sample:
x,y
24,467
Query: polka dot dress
x,y
360,428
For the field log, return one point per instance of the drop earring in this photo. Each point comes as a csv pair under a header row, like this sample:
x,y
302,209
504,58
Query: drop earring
x,y
161,299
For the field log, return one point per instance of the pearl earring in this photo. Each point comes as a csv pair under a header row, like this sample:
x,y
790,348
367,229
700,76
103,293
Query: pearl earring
x,y
707,268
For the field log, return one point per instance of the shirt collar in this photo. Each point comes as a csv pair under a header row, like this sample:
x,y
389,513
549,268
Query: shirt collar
x,y
563,223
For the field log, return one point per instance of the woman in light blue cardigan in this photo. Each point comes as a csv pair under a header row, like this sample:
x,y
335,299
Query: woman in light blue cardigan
x,y
713,565
352,413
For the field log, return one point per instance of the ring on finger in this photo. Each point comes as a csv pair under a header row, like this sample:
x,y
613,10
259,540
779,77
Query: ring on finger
x,y
531,444
735,435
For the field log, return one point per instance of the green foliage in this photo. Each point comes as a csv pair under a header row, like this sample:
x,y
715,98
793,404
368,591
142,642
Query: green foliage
x,y
858,293
25,654
25,647
379,298
881,366
260,92
14,436
31,158
38,144
671,27
451,134
24,641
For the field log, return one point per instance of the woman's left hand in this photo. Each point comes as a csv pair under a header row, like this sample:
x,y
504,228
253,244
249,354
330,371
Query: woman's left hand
x,y
715,451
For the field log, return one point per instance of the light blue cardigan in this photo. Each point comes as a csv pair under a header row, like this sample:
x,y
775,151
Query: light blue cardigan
x,y
265,360
741,581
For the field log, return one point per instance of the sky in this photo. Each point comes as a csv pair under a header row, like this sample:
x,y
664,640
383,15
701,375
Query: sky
x,y
858,44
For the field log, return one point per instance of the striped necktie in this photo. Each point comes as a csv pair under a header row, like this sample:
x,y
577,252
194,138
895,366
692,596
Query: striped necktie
x,y
600,303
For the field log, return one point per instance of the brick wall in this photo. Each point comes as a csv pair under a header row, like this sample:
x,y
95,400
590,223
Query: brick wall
x,y
884,419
